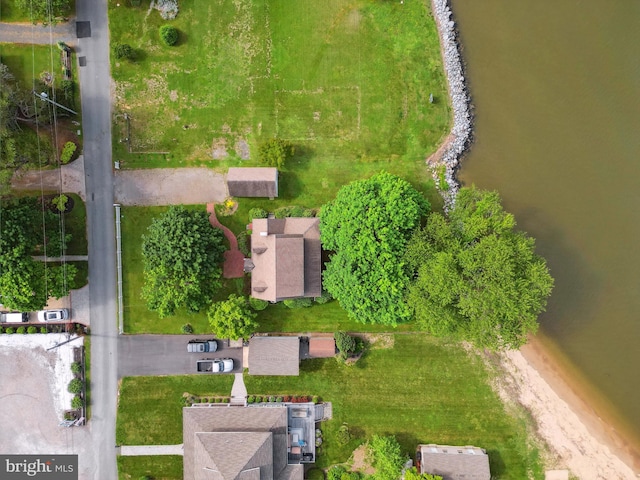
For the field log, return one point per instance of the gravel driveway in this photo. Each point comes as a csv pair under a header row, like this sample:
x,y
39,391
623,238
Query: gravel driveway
x,y
169,186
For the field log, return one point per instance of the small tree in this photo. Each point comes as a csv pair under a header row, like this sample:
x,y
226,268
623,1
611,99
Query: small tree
x,y
258,304
76,368
76,402
60,202
169,35
75,386
257,213
232,318
275,152
67,152
123,50
187,328
387,457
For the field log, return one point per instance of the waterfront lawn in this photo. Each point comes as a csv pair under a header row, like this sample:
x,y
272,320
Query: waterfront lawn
x,y
422,390
347,82
275,318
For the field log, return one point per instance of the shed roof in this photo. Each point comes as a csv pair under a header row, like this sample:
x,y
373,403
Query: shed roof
x,y
455,463
274,356
253,182
322,347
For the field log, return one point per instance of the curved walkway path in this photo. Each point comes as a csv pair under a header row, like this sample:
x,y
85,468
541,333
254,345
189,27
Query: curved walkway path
x,y
233,266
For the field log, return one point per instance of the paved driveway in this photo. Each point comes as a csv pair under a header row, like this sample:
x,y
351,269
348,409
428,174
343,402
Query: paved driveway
x,y
166,355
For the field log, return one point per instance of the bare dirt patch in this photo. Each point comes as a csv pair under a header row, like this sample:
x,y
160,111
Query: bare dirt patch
x,y
219,148
361,462
242,149
378,341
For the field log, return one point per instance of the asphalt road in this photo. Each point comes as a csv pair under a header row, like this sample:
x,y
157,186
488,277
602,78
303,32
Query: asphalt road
x,y
167,355
95,83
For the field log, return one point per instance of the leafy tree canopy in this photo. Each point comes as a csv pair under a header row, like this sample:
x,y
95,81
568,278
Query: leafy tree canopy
x,y
232,318
181,254
26,284
275,152
368,226
476,277
412,474
386,457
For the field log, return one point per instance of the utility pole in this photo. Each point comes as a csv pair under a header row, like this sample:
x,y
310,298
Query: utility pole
x,y
45,97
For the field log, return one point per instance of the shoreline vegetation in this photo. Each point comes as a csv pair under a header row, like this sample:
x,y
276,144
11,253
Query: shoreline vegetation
x,y
563,410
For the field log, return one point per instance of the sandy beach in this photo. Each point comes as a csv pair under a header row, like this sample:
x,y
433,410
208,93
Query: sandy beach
x,y
578,438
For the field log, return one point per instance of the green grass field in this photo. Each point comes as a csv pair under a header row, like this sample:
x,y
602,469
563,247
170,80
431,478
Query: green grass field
x,y
347,81
422,390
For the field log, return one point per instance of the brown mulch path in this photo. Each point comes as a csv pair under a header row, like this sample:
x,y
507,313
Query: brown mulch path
x,y
233,266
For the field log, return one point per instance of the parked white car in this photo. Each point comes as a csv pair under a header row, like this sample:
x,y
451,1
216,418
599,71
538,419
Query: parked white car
x,y
58,315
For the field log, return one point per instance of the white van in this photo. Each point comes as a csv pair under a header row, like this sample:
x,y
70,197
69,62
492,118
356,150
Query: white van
x,y
14,317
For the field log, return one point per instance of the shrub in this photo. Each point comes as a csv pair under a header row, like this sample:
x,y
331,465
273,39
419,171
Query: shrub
x,y
76,368
315,399
76,402
225,400
187,328
75,386
287,398
344,436
275,152
67,153
272,399
258,304
60,202
345,343
32,329
251,399
257,213
185,401
335,472
10,330
279,399
169,35
123,50
21,330
43,329
323,298
298,302
243,242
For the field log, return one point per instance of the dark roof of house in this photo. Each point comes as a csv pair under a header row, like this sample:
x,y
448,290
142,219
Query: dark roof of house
x,y
322,347
253,182
455,463
274,356
286,254
236,443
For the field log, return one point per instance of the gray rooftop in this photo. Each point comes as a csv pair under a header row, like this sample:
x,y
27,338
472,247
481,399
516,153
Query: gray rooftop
x,y
253,182
274,356
455,463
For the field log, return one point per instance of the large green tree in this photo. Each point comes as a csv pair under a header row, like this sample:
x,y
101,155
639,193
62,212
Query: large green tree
x,y
26,284
181,254
386,457
232,318
477,278
367,227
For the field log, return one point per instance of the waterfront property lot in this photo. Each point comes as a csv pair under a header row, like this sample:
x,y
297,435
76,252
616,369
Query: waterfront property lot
x,y
348,82
420,389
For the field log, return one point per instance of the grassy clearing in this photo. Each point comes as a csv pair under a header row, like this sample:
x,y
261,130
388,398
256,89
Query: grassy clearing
x,y
347,81
76,224
158,467
421,390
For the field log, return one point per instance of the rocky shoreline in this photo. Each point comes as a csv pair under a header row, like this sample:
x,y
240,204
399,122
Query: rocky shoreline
x,y
461,131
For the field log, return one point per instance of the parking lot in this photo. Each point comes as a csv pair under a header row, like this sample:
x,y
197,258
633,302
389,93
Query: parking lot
x,y
167,355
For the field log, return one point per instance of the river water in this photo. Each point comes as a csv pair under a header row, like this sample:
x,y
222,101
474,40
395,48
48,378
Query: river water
x,y
556,91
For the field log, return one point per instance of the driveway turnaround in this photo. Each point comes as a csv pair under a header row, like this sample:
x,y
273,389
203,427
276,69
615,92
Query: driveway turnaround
x,y
169,186
167,355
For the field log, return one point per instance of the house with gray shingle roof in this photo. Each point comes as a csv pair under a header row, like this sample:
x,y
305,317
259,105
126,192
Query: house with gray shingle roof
x,y
286,258
274,356
237,443
454,463
253,182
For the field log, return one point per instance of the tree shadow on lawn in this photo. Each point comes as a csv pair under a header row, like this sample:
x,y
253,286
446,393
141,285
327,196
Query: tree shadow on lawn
x,y
496,463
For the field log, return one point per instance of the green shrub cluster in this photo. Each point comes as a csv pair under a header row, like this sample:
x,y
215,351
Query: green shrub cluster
x,y
75,386
187,328
243,242
67,152
324,298
10,330
258,304
275,152
298,302
32,329
169,35
336,472
76,402
43,329
21,330
123,50
76,368
257,213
